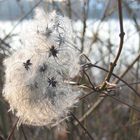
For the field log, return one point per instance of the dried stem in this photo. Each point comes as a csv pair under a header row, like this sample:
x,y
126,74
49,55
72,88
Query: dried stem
x,y
114,63
93,107
122,102
21,20
22,129
69,9
12,130
129,67
85,13
82,126
92,65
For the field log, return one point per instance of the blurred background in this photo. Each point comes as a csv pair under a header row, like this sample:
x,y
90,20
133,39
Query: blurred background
x,y
96,25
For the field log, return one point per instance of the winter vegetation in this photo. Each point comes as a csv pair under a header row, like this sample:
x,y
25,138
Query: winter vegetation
x,y
35,76
69,70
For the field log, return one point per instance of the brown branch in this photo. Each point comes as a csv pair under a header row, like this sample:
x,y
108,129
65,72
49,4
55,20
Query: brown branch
x,y
92,65
85,14
82,126
133,83
22,129
129,67
92,84
12,130
99,101
94,106
21,20
4,43
114,63
69,9
122,102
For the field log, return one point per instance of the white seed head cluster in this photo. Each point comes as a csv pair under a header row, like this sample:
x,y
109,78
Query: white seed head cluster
x,y
35,76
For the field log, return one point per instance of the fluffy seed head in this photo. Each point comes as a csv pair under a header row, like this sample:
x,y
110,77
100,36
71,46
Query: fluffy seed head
x,y
35,76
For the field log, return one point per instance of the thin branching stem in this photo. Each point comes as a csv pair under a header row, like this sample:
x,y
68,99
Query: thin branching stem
x,y
22,129
69,9
93,86
122,102
92,65
82,126
14,27
92,108
12,130
128,68
114,63
85,14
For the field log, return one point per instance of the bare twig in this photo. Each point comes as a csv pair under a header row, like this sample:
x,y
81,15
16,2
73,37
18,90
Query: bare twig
x,y
99,101
129,67
21,20
85,13
22,129
3,42
12,130
94,106
122,102
134,83
92,84
69,9
92,65
114,63
82,126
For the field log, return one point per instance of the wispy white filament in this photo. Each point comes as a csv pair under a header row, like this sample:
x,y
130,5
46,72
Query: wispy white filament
x,y
35,76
